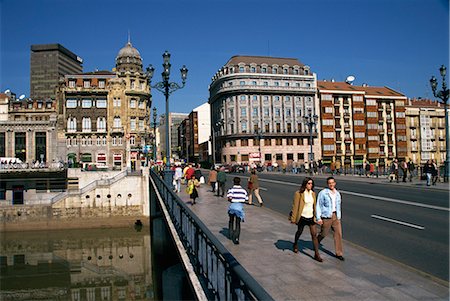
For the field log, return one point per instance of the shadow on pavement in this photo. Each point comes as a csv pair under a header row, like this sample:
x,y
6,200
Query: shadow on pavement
x,y
225,232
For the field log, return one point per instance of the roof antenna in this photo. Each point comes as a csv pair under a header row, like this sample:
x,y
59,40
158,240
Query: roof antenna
x,y
129,42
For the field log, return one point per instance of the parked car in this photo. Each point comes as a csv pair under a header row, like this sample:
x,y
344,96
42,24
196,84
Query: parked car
x,y
238,168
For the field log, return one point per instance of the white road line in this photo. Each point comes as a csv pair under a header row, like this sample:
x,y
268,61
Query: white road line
x,y
397,222
263,189
364,195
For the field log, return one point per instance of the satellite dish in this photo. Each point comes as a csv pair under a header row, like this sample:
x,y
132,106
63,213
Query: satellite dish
x,y
350,79
7,91
22,96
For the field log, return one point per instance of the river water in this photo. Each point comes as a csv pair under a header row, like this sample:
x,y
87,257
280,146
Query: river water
x,y
76,265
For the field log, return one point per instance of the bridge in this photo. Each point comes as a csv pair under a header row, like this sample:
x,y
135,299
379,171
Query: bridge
x,y
263,266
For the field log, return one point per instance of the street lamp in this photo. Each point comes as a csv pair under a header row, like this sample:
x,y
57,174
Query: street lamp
x,y
167,88
154,134
258,134
216,125
310,121
443,95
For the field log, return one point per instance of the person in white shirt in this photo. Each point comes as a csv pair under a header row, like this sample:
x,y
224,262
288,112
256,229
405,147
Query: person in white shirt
x,y
178,175
237,196
302,214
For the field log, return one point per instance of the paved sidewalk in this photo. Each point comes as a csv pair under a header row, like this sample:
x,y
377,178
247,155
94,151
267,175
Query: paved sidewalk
x,y
266,253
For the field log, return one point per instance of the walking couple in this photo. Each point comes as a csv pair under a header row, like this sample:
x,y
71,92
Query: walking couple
x,y
325,211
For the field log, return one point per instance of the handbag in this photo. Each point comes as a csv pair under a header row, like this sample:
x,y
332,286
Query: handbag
x,y
250,185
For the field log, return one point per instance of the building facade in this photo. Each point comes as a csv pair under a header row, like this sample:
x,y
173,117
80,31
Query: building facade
x,y
28,129
104,116
50,62
425,123
258,110
361,124
175,120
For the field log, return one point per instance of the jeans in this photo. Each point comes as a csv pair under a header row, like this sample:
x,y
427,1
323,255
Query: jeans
x,y
234,227
428,179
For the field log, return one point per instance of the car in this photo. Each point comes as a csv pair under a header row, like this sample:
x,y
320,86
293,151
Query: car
x,y
238,168
226,168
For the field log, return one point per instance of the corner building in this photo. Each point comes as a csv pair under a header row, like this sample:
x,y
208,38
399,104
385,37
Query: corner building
x,y
103,116
362,124
258,105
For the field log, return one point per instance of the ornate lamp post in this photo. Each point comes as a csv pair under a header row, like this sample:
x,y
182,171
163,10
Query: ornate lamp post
x,y
216,126
310,121
154,134
258,134
167,88
443,96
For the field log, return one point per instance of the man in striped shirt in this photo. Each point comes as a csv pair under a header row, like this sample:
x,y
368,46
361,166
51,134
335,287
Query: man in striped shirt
x,y
237,196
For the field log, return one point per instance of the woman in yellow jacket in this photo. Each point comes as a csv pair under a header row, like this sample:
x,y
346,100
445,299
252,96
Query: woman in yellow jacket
x,y
302,215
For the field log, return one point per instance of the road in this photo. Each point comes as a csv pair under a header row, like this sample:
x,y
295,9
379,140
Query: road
x,y
405,223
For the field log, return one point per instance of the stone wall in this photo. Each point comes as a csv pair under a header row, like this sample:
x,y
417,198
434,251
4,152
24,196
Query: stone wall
x,y
125,199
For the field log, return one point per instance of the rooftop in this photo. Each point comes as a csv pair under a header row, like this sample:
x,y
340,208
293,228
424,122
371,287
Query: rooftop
x,y
269,60
344,86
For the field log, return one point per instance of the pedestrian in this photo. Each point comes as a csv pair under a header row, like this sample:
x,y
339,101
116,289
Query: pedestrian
x,y
192,186
189,173
253,187
333,168
428,171
371,169
411,169
221,180
367,169
177,178
338,167
303,208
328,215
212,179
394,171
434,172
237,196
404,167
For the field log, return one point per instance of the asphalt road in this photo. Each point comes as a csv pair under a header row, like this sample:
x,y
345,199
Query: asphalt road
x,y
407,224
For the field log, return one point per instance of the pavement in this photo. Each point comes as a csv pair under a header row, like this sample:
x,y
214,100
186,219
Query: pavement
x,y
265,251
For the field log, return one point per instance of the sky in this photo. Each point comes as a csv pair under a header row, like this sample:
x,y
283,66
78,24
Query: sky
x,y
394,43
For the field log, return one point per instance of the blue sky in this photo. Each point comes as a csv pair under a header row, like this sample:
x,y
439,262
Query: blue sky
x,y
394,43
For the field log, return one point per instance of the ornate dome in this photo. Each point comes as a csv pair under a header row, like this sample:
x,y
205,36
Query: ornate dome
x,y
129,59
129,51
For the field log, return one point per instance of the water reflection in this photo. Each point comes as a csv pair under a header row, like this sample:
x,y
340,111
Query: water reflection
x,y
93,264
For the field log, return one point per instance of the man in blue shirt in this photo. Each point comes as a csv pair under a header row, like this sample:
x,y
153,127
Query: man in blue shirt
x,y
328,215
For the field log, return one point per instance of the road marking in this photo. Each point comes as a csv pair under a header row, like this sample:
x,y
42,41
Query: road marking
x,y
380,198
264,189
397,222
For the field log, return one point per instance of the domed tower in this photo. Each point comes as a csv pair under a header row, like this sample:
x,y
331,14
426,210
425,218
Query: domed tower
x,y
129,59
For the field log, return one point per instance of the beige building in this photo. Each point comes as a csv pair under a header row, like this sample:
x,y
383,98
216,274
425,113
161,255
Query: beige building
x,y
103,116
425,123
28,128
258,106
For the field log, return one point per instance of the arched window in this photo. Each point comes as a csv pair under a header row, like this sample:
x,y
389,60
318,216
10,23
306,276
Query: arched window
x,y
101,124
86,125
72,124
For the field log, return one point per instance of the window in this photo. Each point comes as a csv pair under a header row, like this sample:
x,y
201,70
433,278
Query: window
x,y
141,124
328,134
372,114
357,98
299,141
86,103
30,105
263,70
244,112
254,83
241,69
231,113
328,110
328,147
274,70
278,141
133,124
252,69
327,122
285,71
86,124
286,84
72,125
117,122
101,103
243,97
141,105
289,127
359,135
276,84
255,112
265,84
288,112
49,105
71,103
132,103
116,102
358,122
132,140
255,98
277,112
266,112
101,124
244,142
39,105
278,127
371,102
244,127
300,156
267,142
101,83
289,141
132,84
298,112
87,84
267,127
295,71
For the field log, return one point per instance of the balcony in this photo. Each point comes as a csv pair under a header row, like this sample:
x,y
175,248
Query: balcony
x,y
348,152
338,152
348,140
118,129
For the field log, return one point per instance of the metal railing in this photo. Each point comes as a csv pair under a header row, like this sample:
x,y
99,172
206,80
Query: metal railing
x,y
221,275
